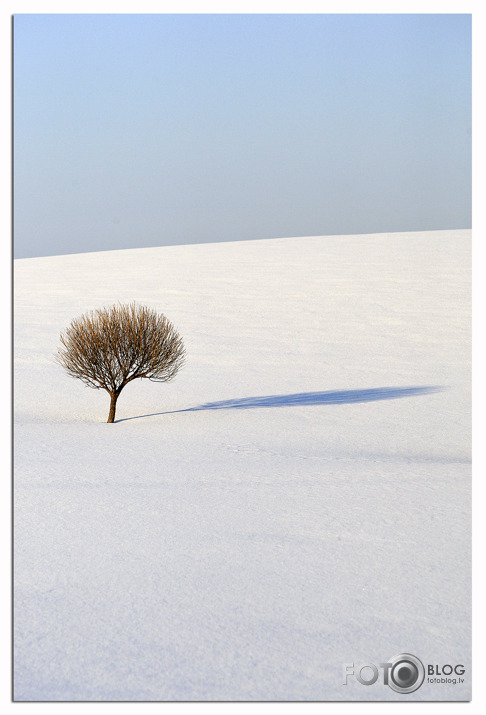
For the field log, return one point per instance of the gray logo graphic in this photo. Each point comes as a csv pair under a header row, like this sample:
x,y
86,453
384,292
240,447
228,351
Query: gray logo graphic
x,y
404,673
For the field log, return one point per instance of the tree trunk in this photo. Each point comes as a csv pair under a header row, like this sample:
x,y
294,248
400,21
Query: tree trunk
x,y
114,397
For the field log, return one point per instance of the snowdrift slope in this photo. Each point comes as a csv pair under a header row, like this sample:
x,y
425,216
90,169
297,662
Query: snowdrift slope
x,y
295,500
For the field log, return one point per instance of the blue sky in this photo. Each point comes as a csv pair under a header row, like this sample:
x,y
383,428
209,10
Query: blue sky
x,y
147,130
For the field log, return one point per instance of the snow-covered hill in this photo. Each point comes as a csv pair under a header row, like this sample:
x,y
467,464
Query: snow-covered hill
x,y
297,499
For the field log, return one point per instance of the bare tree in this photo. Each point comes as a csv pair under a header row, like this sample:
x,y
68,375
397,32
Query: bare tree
x,y
110,347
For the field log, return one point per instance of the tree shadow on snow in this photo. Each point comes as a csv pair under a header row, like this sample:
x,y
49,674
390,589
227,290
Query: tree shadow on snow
x,y
334,397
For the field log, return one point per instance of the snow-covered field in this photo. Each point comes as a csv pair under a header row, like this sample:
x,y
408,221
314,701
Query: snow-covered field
x,y
296,500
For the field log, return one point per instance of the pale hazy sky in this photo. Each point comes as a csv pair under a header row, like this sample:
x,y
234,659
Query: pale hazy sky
x,y
146,130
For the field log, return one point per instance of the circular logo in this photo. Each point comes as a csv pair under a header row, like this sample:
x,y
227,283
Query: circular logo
x,y
407,673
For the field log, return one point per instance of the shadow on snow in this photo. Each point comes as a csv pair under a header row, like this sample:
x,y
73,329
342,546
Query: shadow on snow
x,y
334,397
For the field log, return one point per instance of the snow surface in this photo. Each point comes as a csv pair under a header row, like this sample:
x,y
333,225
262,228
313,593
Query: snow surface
x,y
297,499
